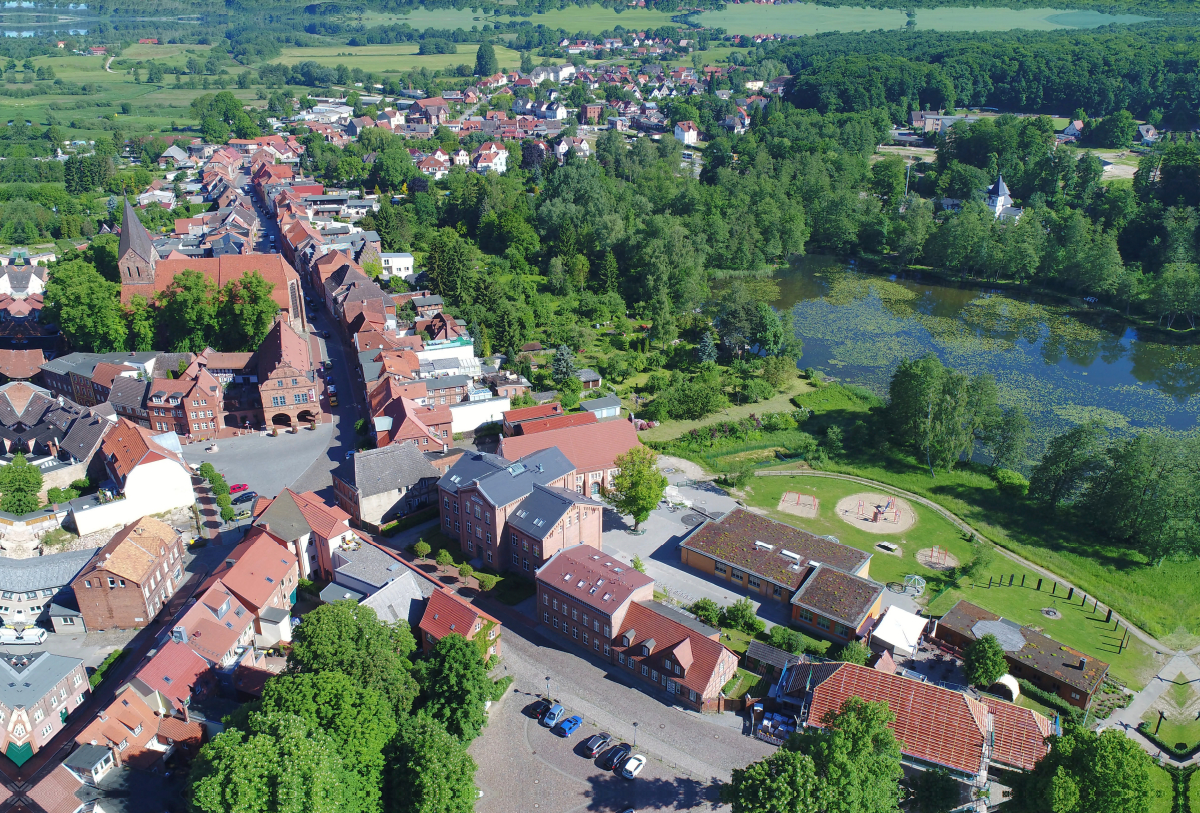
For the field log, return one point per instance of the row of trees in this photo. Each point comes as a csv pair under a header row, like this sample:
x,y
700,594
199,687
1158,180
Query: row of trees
x,y
852,765
353,725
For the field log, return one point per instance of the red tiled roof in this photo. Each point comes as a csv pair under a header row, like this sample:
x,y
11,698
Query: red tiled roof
x,y
183,733
260,565
129,444
56,792
174,672
933,724
669,636
21,364
325,520
589,568
273,267
127,714
446,613
533,413
104,372
557,422
212,637
1020,734
591,447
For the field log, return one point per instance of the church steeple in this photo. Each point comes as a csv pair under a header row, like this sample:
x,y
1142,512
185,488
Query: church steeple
x,y
136,255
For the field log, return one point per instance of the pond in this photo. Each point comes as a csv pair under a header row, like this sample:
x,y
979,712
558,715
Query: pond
x,y
805,18
1062,366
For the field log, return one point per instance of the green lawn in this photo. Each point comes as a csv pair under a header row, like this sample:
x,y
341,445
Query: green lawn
x,y
673,429
1078,628
1193,790
1164,786
747,683
397,57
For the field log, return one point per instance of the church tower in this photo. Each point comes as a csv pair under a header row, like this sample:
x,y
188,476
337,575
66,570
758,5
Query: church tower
x,y
135,255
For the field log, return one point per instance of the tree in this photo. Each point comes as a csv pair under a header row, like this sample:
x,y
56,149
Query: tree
x,y
569,391
358,720
443,559
421,549
785,782
485,61
1006,437
455,686
562,366
856,757
854,652
778,370
1069,459
465,571
936,791
447,263
85,306
348,638
1115,131
430,771
245,313
20,484
707,611
707,349
639,485
139,321
1086,772
983,661
740,615
283,766
637,564
787,639
187,312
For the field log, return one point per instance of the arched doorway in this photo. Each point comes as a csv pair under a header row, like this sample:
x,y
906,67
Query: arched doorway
x,y
233,421
281,419
306,416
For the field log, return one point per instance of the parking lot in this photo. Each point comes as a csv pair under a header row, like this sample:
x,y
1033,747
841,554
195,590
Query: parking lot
x,y
525,766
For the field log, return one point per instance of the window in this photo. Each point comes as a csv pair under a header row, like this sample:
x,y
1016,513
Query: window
x,y
516,558
595,643
737,575
76,680
823,622
574,614
470,544
457,527
620,657
645,670
525,564
468,526
776,591
806,615
112,582
79,699
446,501
606,650
546,599
46,731
692,695
575,632
489,556
456,508
38,715
595,625
719,568
606,630
753,582
556,604
555,622
545,618
667,665
516,539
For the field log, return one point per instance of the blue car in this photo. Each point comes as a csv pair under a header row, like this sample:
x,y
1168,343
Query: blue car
x,y
567,727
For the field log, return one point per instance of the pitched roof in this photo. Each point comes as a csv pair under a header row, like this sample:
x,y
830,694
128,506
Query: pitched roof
x,y
221,270
446,613
210,632
652,624
516,480
129,444
27,681
127,719
133,551
1020,734
400,465
402,599
590,447
838,595
128,392
254,569
55,792
292,515
734,539
174,672
592,577
555,422
21,364
537,515
134,236
283,347
43,572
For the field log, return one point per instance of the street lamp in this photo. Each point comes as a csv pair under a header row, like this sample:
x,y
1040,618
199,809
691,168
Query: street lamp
x,y
635,735
547,687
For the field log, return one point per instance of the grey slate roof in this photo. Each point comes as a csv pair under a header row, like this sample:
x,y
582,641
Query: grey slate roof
x,y
607,402
127,392
86,757
34,674
538,513
400,465
401,600
43,572
339,592
134,235
424,301
85,363
586,374
65,604
513,482
285,519
85,435
449,380
470,467
368,564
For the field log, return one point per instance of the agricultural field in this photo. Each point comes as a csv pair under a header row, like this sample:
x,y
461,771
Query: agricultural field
x,y
597,18
393,58
1079,627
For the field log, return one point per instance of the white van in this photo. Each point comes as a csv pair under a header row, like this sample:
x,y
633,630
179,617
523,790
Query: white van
x,y
29,635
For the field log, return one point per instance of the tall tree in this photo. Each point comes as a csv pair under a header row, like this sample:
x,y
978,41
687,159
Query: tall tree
x,y
1069,459
562,366
857,759
639,485
139,320
85,306
485,61
187,312
1006,438
983,661
784,782
245,313
447,263
430,770
1086,772
348,638
20,484
455,686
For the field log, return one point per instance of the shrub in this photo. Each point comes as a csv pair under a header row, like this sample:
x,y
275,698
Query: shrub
x,y
638,564
854,652
758,389
421,549
789,640
741,616
443,558
487,581
707,611
736,479
1011,482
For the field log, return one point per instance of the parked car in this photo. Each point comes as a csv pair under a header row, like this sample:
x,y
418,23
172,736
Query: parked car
x,y
238,488
616,756
553,715
333,400
597,743
567,727
633,766
29,635
249,496
240,515
332,389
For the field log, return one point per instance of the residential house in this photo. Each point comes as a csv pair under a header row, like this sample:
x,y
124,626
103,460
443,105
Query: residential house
x,y
131,578
134,736
687,133
936,728
379,485
826,583
592,449
1031,655
311,528
514,515
172,679
27,587
218,628
38,692
263,574
448,614
514,417
398,264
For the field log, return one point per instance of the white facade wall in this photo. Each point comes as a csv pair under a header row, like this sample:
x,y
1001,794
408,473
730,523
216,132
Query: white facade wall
x,y
151,488
470,415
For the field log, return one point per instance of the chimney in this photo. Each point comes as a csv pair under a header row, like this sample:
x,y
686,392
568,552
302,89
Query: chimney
x,y
266,526
445,448
1082,664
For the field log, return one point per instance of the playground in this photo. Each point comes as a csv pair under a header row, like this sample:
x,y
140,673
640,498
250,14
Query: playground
x,y
937,558
800,505
876,513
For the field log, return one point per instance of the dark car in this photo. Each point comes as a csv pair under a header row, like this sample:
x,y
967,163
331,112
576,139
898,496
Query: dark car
x,y
616,756
248,496
597,743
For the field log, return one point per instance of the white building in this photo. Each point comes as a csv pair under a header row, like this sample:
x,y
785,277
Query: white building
x,y
688,133
397,264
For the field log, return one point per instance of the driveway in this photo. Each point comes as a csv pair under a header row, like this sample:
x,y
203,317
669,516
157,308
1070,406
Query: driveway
x,y
523,766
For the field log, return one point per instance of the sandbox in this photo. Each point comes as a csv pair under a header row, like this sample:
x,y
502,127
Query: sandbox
x,y
802,505
876,513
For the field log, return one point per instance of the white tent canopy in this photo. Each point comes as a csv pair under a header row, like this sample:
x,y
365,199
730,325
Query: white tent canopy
x,y
899,631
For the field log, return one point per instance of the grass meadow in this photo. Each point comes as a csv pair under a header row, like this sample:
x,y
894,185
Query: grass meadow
x,y
393,58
